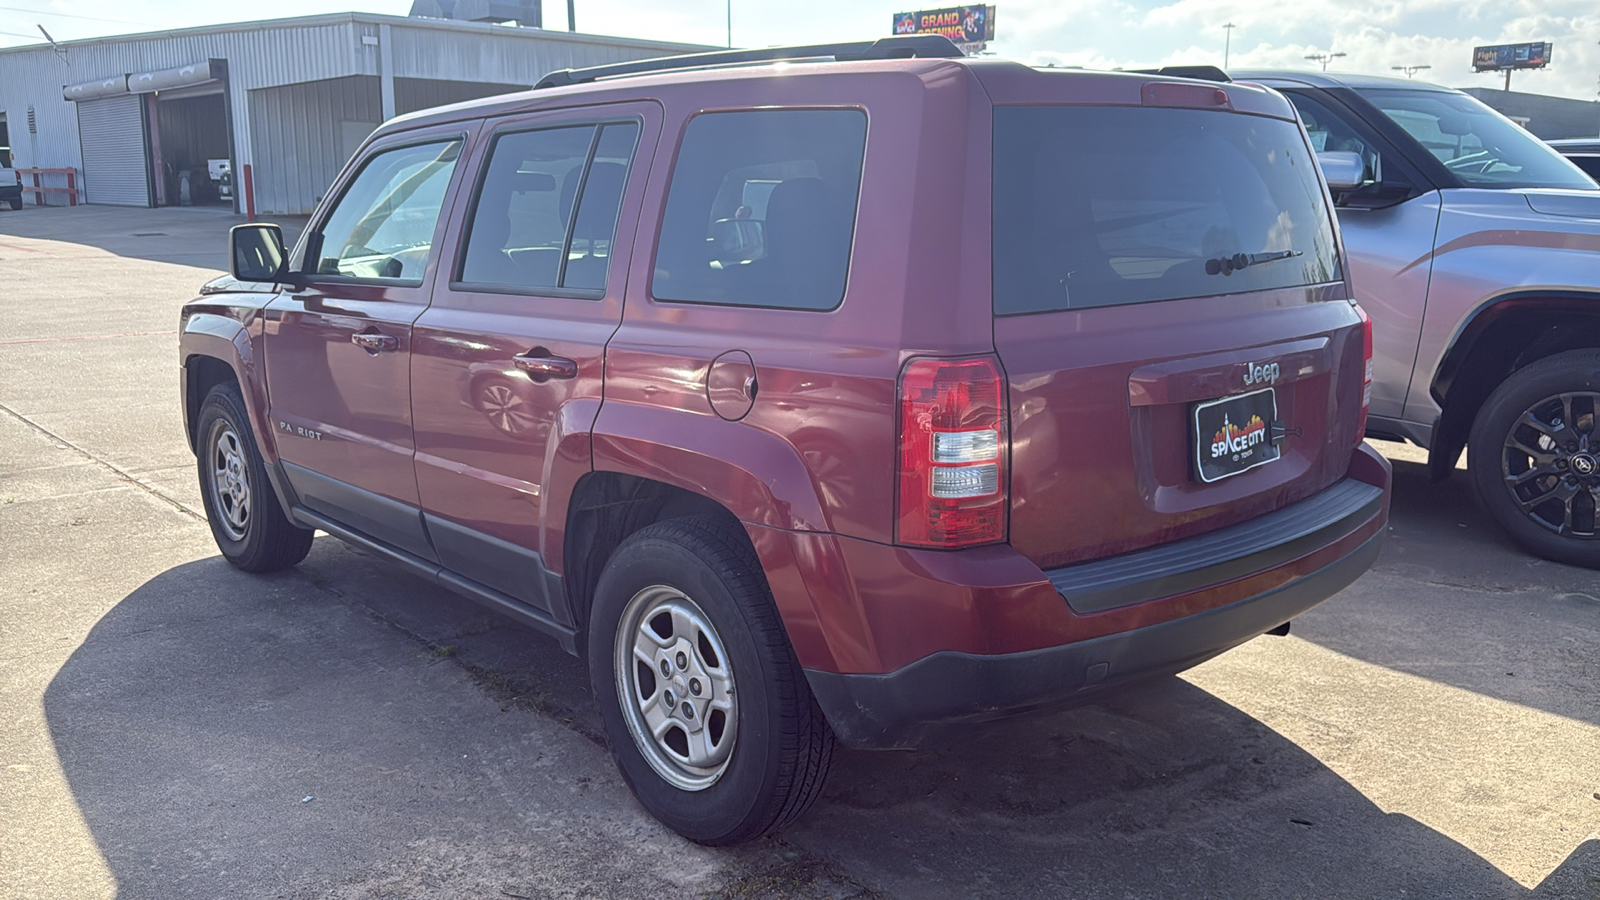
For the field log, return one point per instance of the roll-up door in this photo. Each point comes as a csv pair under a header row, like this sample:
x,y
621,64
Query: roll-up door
x,y
116,167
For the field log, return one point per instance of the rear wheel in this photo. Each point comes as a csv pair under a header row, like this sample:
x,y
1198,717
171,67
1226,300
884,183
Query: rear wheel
x,y
247,521
1534,452
16,203
706,709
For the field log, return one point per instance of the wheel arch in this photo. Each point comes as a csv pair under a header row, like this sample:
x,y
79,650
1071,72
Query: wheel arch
x,y
1500,336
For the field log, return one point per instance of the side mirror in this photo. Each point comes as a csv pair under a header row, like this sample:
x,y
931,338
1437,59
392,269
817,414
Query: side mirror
x,y
257,252
1343,170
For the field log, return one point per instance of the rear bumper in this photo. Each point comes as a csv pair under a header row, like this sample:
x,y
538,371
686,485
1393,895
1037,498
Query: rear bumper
x,y
935,698
1068,635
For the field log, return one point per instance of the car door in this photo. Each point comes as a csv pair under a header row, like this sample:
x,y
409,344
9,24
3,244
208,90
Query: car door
x,y
507,363
1389,250
338,341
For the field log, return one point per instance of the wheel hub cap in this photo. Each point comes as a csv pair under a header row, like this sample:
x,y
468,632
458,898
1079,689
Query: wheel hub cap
x,y
676,687
231,480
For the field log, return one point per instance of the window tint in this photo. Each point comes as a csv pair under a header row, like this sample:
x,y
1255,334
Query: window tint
x,y
383,225
1478,145
596,225
761,210
519,226
1330,131
1096,206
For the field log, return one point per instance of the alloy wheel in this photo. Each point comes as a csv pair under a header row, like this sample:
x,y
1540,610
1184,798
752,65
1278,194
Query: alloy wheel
x,y
1551,464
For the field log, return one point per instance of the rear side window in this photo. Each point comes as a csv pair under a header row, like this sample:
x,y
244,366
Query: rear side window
x,y
761,209
524,236
1102,206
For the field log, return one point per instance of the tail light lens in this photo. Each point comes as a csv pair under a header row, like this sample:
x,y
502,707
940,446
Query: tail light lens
x,y
953,450
1366,371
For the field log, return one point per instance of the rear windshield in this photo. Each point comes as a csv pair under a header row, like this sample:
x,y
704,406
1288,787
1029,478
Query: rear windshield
x,y
1102,206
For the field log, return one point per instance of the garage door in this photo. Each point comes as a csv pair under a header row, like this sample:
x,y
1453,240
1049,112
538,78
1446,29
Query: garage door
x,y
116,169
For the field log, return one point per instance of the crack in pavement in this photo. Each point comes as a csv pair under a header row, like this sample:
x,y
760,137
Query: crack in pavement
x,y
116,470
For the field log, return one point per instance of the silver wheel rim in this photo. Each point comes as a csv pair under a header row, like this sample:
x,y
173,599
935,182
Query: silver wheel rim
x,y
675,685
230,480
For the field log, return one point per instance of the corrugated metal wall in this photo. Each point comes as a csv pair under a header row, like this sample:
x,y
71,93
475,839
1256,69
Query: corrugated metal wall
x,y
412,94
265,56
304,133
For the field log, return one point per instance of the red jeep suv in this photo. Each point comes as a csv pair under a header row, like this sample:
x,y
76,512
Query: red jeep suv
x,y
847,394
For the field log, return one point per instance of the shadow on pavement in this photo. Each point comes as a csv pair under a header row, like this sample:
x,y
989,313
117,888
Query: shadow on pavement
x,y
1453,600
204,706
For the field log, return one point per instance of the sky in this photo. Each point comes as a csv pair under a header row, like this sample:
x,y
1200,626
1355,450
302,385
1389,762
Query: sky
x,y
1375,35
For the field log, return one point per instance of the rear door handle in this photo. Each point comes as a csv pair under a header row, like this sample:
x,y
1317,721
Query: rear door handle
x,y
541,366
374,342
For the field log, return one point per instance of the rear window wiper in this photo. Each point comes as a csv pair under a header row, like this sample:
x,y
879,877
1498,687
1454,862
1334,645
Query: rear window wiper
x,y
1227,265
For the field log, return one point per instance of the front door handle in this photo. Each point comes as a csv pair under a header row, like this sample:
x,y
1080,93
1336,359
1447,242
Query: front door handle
x,y
540,365
374,342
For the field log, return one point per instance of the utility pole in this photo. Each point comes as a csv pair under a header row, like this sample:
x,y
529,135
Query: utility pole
x,y
1323,58
1227,43
730,24
572,19
1410,70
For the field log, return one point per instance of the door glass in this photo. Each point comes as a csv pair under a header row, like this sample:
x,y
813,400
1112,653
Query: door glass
x,y
1330,132
519,225
383,225
596,225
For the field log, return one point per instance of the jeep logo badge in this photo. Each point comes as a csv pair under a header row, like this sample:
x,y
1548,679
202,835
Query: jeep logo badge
x,y
1261,374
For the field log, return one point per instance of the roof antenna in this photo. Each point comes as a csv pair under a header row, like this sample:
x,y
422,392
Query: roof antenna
x,y
60,50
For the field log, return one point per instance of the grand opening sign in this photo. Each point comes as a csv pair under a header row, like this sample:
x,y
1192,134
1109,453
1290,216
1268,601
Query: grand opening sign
x,y
968,27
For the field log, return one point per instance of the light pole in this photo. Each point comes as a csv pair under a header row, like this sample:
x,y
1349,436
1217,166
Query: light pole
x,y
1227,43
1410,70
1323,58
730,24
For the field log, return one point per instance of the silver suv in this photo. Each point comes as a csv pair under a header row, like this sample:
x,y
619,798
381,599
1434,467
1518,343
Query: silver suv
x,y
1475,248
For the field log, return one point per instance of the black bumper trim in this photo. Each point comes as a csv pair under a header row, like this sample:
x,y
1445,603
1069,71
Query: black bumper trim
x,y
1223,555
938,697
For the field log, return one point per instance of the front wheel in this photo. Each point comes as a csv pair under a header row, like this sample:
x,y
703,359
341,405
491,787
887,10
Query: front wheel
x,y
248,522
1534,452
706,709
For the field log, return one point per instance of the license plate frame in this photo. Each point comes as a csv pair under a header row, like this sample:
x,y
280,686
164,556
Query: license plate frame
x,y
1222,448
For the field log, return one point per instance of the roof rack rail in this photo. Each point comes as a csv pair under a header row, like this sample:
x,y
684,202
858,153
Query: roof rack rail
x,y
1199,73
908,46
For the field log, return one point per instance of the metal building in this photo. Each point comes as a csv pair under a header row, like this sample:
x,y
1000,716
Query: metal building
x,y
154,119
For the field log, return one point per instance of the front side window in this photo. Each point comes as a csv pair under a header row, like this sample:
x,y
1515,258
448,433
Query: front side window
x,y
761,210
383,225
1330,131
524,236
1478,145
1101,206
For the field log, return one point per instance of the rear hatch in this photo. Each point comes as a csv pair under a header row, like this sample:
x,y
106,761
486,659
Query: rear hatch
x,y
1171,316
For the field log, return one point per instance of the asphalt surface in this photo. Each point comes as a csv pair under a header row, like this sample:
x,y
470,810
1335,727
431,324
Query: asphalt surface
x,y
174,728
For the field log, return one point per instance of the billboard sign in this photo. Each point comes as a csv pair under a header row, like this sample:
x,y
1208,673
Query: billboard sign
x,y
968,27
1511,56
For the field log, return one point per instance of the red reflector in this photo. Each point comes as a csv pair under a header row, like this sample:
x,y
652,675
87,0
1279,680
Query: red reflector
x,y
1179,94
953,453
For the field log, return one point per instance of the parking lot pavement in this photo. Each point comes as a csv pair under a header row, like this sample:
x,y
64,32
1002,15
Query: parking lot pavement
x,y
176,729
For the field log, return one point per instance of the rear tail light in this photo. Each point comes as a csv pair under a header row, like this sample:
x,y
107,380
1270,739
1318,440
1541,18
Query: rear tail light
x,y
952,454
1366,371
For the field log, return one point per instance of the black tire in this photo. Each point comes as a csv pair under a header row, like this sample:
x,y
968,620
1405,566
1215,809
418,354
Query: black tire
x,y
1553,515
781,747
16,203
250,527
